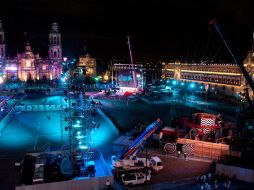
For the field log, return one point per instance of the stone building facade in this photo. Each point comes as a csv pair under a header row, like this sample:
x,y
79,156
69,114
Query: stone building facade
x,y
29,66
89,63
225,79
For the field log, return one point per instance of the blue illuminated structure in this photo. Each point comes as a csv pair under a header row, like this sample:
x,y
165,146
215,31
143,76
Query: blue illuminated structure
x,y
134,147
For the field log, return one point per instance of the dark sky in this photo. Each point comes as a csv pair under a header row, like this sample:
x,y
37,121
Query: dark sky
x,y
159,29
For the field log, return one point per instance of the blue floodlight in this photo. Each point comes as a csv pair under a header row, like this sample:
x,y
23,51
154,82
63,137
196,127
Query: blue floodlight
x,y
80,136
201,87
83,147
63,79
192,85
77,126
174,82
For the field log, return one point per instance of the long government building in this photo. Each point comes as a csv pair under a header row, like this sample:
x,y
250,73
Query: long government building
x,y
224,79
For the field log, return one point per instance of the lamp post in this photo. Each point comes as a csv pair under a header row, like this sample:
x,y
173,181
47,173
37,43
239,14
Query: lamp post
x,y
206,91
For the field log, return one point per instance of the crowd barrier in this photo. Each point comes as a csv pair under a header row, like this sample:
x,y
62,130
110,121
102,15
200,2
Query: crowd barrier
x,y
39,107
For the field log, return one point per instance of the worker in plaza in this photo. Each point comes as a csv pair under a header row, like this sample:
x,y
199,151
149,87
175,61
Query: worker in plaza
x,y
108,184
209,176
185,155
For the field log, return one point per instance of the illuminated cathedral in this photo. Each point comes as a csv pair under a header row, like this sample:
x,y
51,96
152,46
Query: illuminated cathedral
x,y
30,66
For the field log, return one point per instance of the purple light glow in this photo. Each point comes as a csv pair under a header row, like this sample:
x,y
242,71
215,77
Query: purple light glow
x,y
11,68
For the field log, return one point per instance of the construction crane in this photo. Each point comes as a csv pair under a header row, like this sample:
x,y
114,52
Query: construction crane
x,y
241,66
134,85
135,146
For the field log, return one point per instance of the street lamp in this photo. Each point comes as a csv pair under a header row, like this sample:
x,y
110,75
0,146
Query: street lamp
x,y
206,91
174,82
192,85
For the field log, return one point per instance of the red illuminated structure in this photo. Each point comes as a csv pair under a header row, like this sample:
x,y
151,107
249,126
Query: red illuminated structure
x,y
202,124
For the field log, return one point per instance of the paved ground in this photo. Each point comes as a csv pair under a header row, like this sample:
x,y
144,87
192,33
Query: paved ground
x,y
179,169
228,110
129,115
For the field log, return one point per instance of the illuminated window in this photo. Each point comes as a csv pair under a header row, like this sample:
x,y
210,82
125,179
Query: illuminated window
x,y
44,67
28,64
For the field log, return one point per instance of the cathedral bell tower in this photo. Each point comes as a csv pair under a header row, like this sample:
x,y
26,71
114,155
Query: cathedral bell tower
x,y
55,46
2,43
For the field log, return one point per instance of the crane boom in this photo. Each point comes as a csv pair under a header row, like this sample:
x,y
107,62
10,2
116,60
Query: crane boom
x,y
134,85
241,66
134,147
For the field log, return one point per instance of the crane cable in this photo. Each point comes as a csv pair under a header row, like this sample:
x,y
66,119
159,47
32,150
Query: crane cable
x,y
241,66
207,45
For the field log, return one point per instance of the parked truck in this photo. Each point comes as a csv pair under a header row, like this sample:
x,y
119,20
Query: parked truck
x,y
154,163
135,178
128,162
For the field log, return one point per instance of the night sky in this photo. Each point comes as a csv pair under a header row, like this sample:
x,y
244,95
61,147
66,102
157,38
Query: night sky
x,y
160,29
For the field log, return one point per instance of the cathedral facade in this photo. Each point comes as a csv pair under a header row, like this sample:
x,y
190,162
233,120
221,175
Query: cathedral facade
x,y
29,66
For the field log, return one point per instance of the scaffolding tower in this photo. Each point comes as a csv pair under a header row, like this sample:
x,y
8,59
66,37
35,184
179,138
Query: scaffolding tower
x,y
80,117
